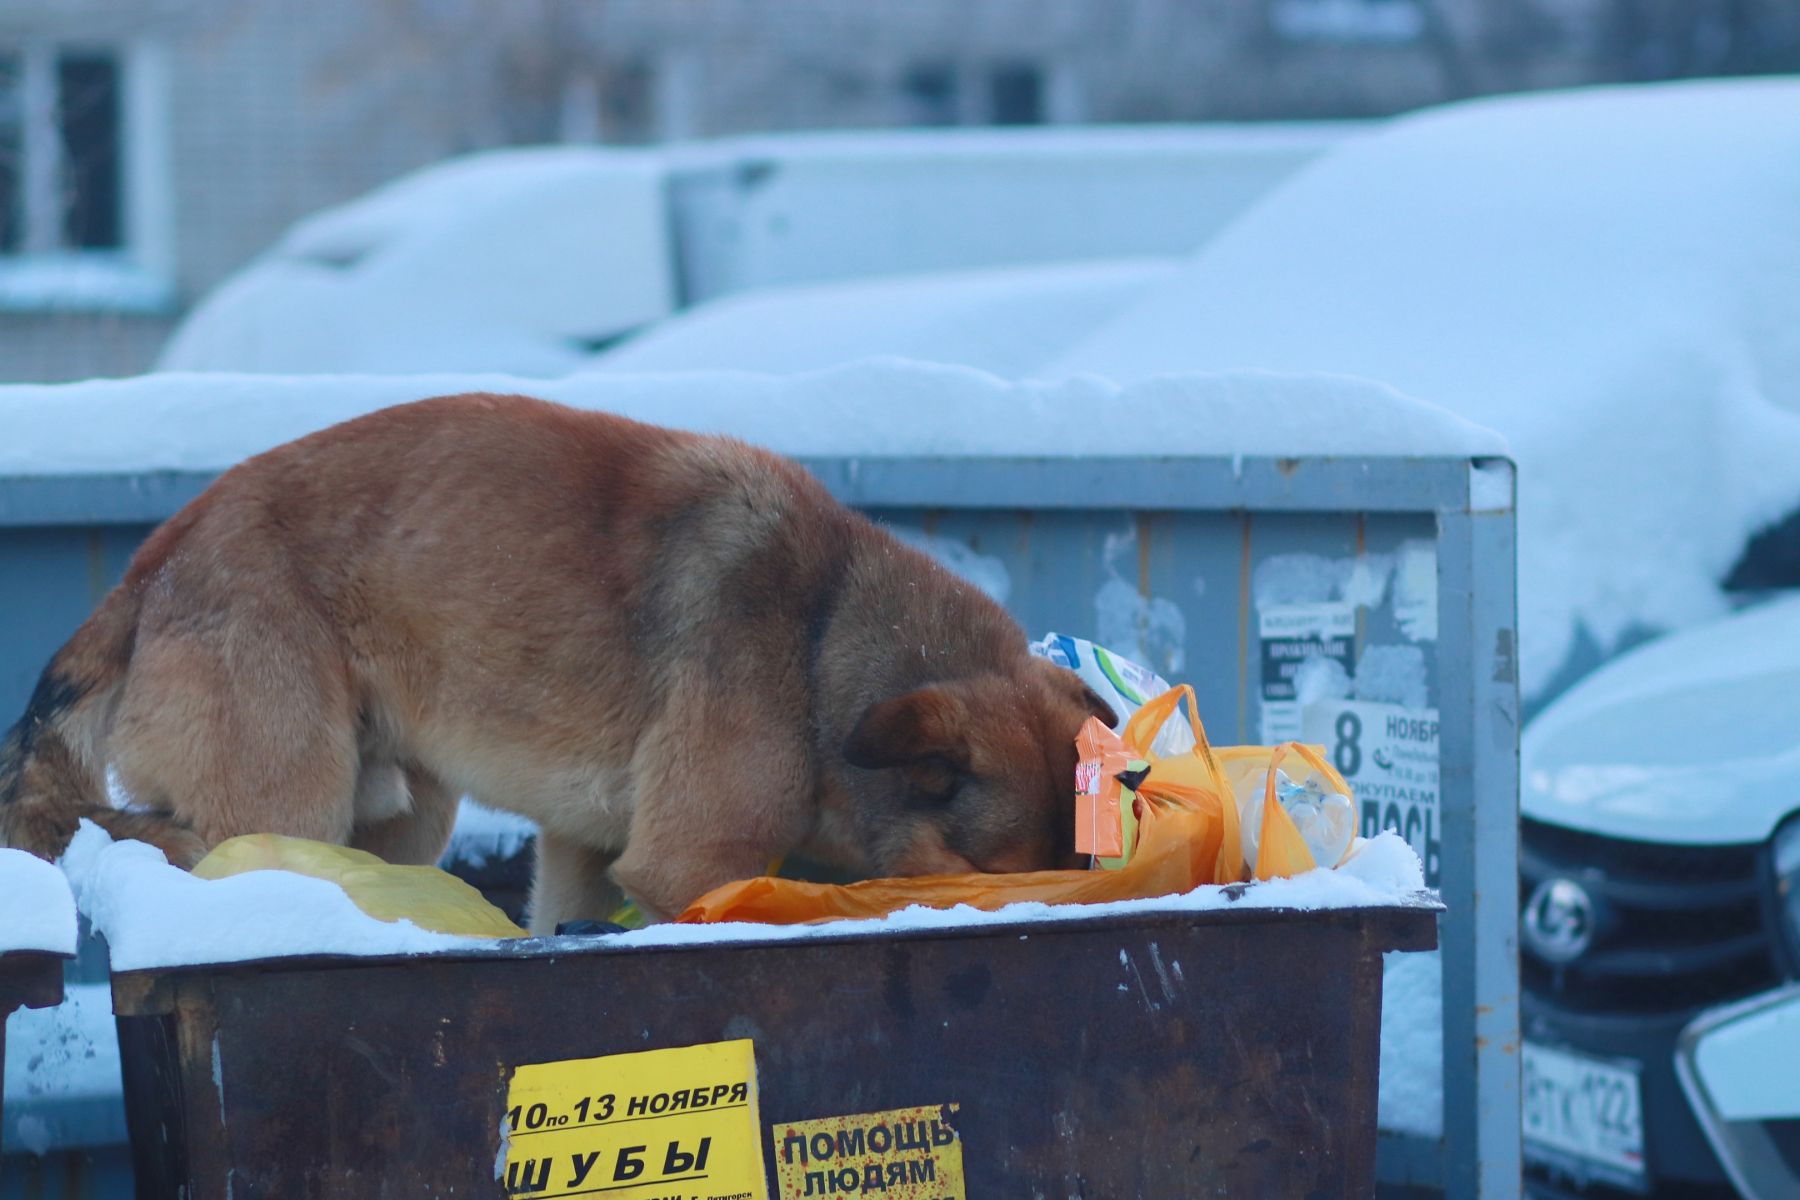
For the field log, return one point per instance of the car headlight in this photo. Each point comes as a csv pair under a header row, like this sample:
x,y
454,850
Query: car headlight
x,y
1787,884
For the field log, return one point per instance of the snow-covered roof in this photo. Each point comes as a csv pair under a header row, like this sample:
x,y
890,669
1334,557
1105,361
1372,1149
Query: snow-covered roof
x,y
36,910
1005,320
1606,277
871,409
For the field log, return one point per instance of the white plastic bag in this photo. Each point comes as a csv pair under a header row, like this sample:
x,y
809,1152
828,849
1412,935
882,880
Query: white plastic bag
x,y
1125,685
1326,819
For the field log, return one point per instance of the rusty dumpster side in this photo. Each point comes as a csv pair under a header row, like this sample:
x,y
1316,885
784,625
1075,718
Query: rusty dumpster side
x,y
1167,1054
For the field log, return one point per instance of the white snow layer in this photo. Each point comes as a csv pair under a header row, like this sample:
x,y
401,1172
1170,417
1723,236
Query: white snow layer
x,y
1006,321
870,409
37,911
1605,277
156,915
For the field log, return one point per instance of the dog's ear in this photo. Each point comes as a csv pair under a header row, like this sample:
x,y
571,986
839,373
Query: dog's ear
x,y
1099,707
927,724
1072,685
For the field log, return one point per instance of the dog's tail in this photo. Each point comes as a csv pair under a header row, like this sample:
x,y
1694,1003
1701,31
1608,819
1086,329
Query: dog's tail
x,y
53,762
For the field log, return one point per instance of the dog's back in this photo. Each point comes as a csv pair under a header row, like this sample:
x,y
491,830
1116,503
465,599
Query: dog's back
x,y
573,616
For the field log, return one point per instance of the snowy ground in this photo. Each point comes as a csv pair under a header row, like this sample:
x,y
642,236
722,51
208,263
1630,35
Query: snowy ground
x,y
483,835
58,1058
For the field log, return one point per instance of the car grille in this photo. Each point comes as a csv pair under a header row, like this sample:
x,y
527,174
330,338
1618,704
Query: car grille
x,y
1683,926
1786,1137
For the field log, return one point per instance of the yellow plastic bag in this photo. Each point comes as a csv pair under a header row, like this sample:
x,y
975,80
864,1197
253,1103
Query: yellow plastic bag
x,y
1187,835
429,898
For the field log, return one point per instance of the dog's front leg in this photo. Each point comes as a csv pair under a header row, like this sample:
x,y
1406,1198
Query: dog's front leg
x,y
666,870
570,884
717,807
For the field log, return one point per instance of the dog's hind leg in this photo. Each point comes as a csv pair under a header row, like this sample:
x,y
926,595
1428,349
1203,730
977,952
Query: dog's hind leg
x,y
418,833
242,725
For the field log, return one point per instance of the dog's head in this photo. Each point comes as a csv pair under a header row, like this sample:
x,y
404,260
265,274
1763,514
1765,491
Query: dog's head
x,y
972,775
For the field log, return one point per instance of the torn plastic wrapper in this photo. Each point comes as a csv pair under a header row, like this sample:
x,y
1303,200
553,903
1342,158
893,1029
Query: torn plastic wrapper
x,y
1125,685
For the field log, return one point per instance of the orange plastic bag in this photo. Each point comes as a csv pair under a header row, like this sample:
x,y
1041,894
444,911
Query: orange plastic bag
x,y
1195,779
1281,851
1187,835
1171,858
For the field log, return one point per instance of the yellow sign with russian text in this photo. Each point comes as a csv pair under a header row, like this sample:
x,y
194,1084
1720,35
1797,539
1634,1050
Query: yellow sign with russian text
x,y
675,1124
902,1154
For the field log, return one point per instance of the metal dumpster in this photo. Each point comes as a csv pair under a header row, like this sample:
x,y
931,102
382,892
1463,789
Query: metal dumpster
x,y
1167,1054
1208,568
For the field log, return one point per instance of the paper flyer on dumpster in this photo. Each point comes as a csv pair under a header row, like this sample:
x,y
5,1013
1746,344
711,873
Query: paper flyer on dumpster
x,y
901,1153
643,1126
1388,754
1290,634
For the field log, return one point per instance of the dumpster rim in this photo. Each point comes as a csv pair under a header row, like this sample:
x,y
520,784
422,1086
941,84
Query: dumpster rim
x,y
31,979
1408,926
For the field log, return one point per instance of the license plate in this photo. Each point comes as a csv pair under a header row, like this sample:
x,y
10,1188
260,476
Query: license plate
x,y
1583,1115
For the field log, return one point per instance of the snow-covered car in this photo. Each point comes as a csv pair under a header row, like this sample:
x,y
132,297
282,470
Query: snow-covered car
x,y
532,261
1661,929
1606,277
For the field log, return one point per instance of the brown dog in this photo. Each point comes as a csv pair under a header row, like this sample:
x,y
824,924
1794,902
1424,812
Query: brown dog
x,y
678,654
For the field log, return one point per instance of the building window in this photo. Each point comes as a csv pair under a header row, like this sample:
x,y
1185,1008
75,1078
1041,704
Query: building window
x,y
1016,94
1348,20
60,151
933,95
628,103
999,94
67,235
